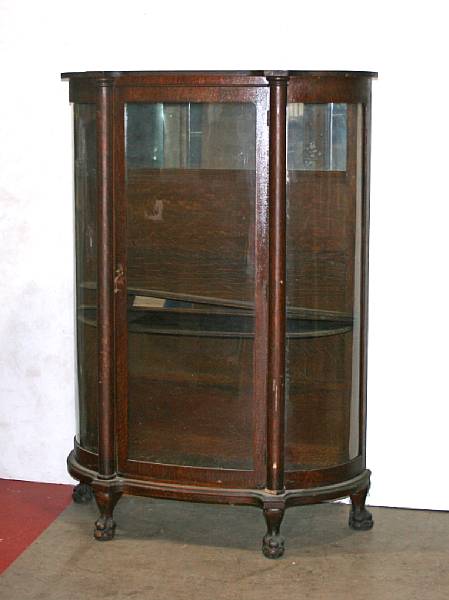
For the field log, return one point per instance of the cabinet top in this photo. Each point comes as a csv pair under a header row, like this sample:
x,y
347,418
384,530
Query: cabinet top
x,y
222,74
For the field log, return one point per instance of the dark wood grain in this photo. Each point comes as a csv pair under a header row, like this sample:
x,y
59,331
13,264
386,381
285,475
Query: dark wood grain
x,y
173,214
157,488
273,542
182,305
106,430
276,286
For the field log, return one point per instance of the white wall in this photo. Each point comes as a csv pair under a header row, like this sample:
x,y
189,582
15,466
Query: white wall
x,y
404,41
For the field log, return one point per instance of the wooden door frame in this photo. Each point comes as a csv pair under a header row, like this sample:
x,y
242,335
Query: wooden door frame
x,y
167,472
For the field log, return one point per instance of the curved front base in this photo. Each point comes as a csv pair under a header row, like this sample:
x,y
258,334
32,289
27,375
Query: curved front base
x,y
108,491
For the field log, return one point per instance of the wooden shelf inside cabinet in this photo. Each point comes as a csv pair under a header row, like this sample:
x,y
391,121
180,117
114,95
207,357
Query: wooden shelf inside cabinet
x,y
216,323
221,225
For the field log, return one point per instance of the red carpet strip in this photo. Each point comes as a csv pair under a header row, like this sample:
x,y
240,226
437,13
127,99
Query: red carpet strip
x,y
26,510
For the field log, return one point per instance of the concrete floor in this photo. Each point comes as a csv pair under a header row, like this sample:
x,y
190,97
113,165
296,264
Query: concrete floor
x,y
167,550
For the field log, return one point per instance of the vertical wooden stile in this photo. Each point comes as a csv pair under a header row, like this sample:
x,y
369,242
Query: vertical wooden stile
x,y
105,308
277,272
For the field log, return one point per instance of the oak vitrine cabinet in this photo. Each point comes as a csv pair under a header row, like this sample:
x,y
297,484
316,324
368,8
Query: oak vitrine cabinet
x,y
221,289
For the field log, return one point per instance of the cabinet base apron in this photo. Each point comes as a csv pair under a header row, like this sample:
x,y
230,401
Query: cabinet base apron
x,y
108,492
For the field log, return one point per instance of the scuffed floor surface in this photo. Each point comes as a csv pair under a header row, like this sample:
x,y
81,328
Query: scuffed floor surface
x,y
167,550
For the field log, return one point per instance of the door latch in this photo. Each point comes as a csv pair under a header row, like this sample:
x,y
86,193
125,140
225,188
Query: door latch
x,y
119,279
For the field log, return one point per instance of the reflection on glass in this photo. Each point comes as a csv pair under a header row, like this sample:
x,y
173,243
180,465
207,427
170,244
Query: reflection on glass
x,y
190,135
86,271
317,137
190,190
323,284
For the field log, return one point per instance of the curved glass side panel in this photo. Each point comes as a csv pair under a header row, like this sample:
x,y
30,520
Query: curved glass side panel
x,y
190,193
317,137
86,272
323,284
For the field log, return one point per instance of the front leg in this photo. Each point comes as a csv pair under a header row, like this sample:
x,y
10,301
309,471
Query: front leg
x,y
273,542
360,518
105,524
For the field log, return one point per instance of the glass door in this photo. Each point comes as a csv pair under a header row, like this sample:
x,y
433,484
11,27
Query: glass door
x,y
191,189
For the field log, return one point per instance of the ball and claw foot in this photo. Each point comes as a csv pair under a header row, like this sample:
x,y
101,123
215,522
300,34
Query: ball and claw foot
x,y
106,498
273,542
104,529
82,493
273,546
360,520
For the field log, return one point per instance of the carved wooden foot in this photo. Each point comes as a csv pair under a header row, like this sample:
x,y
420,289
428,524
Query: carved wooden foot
x,y
82,493
104,529
360,518
105,524
273,542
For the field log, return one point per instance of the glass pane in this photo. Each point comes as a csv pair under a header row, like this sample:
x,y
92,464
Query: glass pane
x,y
190,188
317,137
86,271
189,135
323,297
